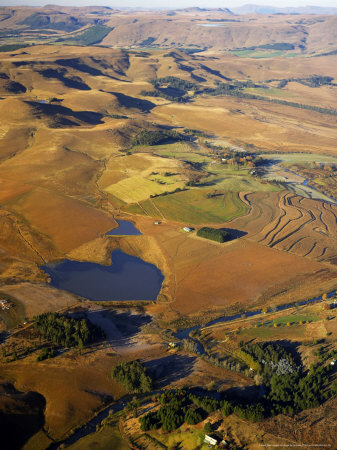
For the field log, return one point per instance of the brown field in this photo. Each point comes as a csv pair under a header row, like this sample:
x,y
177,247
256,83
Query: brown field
x,y
72,376
265,125
203,275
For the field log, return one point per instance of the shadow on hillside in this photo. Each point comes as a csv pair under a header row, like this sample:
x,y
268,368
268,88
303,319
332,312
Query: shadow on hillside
x,y
70,82
77,64
14,87
133,102
63,115
119,328
243,394
170,369
127,323
22,415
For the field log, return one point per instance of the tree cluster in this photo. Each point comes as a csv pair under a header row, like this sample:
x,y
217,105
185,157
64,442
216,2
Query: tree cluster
x,y
214,234
178,407
289,389
46,353
132,374
67,331
147,137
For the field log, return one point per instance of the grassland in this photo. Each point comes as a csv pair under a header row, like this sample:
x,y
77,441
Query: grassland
x,y
189,439
193,206
294,158
236,180
108,436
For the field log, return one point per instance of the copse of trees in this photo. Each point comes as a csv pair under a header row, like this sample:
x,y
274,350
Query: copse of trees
x,y
67,331
178,407
289,389
214,234
192,417
165,95
46,353
171,88
312,81
147,137
132,374
174,82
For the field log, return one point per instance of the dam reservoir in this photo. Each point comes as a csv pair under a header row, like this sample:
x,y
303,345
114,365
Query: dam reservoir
x,y
126,278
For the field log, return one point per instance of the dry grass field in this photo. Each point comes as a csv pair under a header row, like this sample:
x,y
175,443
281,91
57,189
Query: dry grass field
x,y
72,161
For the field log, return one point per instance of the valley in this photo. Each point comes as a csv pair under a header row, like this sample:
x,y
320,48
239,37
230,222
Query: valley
x,y
117,145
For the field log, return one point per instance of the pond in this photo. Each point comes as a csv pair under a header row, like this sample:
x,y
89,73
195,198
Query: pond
x,y
125,228
127,278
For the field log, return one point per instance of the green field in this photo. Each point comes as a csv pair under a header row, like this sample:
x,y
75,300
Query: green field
x,y
295,319
178,150
263,54
294,158
193,207
106,438
268,331
190,439
229,179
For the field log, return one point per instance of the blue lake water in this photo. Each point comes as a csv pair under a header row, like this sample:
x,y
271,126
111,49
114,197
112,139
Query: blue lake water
x,y
127,278
125,229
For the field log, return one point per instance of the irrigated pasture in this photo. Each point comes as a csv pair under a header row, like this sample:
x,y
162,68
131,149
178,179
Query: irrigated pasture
x,y
194,206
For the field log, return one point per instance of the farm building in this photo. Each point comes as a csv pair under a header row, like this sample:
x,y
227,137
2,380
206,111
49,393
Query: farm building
x,y
212,440
188,229
5,304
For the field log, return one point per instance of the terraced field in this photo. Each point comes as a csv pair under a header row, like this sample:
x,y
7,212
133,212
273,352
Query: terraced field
x,y
295,224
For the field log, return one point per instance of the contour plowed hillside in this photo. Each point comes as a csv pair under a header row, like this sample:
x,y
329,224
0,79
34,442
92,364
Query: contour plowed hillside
x,y
293,224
